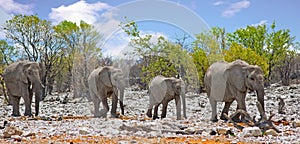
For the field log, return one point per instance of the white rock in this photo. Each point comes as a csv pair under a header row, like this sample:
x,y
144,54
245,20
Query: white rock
x,y
83,131
221,130
16,137
296,123
271,132
251,131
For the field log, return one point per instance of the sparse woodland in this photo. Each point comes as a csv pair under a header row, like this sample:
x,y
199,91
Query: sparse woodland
x,y
69,52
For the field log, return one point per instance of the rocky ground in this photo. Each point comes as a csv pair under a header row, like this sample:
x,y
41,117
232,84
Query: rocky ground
x,y
72,122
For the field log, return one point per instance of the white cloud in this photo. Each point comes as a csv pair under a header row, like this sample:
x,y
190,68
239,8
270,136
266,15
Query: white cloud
x,y
107,24
78,11
217,3
117,44
260,23
236,7
12,7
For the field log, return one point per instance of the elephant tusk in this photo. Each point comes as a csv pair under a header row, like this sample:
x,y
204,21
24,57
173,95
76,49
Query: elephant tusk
x,y
42,85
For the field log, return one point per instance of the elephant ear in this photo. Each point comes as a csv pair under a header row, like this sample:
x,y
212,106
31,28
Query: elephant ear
x,y
171,85
218,80
23,76
104,76
158,88
236,74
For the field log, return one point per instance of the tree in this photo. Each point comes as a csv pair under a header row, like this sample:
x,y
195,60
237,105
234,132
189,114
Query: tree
x,y
207,49
253,37
36,38
7,53
208,42
28,33
160,56
87,58
274,45
279,54
201,62
237,51
69,33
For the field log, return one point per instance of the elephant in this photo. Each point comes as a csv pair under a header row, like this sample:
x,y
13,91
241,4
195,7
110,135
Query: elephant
x,y
104,82
22,79
226,82
162,90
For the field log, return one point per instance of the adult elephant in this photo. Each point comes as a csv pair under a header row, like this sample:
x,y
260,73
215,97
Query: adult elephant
x,y
162,90
22,79
226,82
104,82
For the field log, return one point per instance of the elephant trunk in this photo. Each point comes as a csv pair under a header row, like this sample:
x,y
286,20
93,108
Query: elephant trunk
x,y
120,92
260,97
37,89
121,99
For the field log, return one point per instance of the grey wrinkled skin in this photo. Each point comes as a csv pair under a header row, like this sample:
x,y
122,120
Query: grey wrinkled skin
x,y
22,79
106,82
162,90
226,82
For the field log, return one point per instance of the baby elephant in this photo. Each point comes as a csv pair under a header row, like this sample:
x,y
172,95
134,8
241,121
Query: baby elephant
x,y
162,90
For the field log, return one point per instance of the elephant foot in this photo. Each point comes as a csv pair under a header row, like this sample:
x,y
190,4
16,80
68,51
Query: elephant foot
x,y
28,114
213,120
101,114
114,115
15,115
155,117
149,113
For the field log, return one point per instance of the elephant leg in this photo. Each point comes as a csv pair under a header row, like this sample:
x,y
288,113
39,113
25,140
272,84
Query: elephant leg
x,y
151,104
213,105
155,115
27,101
225,110
240,105
96,102
149,112
15,101
164,109
113,111
105,109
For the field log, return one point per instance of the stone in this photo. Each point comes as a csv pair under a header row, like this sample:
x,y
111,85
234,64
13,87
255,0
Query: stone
x,y
296,123
29,134
271,132
16,138
83,131
12,130
251,131
221,130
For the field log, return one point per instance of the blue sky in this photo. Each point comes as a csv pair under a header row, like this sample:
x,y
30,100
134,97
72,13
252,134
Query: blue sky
x,y
170,18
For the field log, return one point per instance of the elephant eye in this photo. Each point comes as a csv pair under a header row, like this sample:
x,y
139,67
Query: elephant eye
x,y
251,78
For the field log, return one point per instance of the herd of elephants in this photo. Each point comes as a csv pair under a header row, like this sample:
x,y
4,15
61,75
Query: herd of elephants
x,y
224,82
